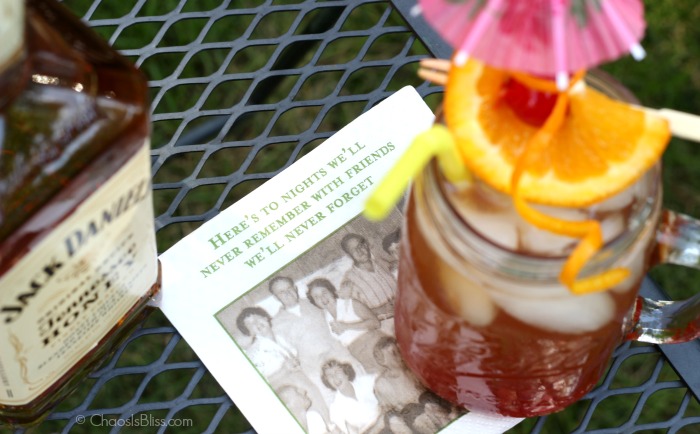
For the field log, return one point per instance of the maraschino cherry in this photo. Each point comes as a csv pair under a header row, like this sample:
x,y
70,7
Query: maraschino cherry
x,y
531,105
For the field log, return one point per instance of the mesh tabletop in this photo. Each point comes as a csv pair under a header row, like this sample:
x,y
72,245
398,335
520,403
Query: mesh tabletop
x,y
240,90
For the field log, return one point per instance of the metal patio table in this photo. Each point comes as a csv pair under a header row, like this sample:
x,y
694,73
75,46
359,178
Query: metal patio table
x,y
240,89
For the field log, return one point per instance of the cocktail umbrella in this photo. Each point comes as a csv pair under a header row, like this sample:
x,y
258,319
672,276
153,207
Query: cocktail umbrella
x,y
552,38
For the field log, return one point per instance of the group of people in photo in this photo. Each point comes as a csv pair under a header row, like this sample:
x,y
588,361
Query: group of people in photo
x,y
330,354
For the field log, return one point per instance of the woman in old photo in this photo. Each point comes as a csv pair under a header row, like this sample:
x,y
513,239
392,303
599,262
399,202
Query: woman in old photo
x,y
354,409
276,360
350,321
437,413
271,355
395,386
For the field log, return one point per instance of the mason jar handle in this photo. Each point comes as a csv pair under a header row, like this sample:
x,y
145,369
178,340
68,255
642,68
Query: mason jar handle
x,y
666,322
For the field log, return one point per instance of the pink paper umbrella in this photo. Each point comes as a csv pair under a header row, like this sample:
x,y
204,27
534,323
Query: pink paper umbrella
x,y
541,37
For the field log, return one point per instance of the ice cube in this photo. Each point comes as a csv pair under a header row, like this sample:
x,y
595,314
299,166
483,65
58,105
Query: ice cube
x,y
491,198
570,313
635,261
612,226
617,202
541,242
467,297
563,213
538,241
496,224
497,228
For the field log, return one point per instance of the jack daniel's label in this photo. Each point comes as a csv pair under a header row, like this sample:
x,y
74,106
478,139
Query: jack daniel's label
x,y
60,299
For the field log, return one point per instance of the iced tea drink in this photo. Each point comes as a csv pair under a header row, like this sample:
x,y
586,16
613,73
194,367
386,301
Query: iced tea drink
x,y
481,316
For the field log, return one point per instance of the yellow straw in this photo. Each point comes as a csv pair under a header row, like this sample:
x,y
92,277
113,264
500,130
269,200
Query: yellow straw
x,y
436,142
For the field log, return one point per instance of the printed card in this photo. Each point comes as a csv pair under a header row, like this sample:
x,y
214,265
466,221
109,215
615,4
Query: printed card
x,y
287,296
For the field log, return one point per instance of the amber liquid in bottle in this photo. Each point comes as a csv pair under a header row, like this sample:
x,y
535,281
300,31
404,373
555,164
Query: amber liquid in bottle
x,y
78,261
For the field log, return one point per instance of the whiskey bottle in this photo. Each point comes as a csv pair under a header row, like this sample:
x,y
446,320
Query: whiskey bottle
x,y
78,259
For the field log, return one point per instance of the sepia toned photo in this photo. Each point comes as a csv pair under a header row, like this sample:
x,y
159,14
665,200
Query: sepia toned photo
x,y
320,332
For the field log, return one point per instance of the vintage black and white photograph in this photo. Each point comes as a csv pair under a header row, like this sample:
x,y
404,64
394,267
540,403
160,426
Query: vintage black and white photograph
x,y
320,332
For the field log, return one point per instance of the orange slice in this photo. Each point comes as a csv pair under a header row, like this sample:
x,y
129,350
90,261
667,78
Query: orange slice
x,y
588,147
601,146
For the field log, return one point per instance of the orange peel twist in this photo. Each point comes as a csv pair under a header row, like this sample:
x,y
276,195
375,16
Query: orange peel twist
x,y
588,231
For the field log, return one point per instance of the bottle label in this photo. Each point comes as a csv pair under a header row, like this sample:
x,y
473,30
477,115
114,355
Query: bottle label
x,y
11,30
65,295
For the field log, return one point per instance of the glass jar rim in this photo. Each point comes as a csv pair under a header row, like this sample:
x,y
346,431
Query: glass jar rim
x,y
538,267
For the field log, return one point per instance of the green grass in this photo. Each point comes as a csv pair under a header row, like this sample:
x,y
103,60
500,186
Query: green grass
x,y
668,77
